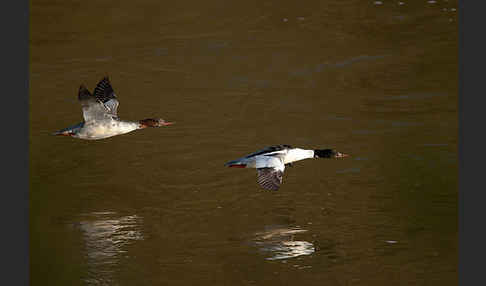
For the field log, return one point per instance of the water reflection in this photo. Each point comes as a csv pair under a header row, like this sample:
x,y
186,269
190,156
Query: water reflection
x,y
279,243
384,85
106,236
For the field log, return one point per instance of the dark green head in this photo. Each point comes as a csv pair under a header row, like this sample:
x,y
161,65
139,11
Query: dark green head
x,y
328,153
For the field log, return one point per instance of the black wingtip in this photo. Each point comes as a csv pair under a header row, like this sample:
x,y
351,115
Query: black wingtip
x,y
103,90
104,80
83,93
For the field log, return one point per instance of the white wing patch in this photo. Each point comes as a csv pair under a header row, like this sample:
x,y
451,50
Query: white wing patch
x,y
94,111
112,106
269,162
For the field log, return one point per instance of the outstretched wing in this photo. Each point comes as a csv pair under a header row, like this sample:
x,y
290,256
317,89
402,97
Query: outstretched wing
x,y
270,178
270,172
269,149
92,108
84,94
104,93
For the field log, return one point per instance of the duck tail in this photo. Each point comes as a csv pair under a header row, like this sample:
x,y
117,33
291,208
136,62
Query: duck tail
x,y
235,164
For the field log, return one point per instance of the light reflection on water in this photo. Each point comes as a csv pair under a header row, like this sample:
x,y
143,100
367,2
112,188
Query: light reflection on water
x,y
106,236
280,243
372,84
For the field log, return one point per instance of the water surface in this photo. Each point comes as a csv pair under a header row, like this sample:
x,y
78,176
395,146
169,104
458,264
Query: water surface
x,y
157,207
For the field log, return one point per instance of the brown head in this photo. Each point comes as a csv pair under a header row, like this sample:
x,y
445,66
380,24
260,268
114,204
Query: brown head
x,y
151,122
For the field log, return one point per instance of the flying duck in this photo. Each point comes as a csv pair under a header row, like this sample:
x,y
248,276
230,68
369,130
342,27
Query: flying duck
x,y
100,115
271,162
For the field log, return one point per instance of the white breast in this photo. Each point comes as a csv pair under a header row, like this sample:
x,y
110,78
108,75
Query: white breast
x,y
297,154
105,129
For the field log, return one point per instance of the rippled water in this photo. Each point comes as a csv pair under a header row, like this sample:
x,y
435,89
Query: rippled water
x,y
280,244
374,79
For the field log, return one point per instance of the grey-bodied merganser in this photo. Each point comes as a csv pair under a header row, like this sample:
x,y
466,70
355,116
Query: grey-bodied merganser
x,y
100,115
271,161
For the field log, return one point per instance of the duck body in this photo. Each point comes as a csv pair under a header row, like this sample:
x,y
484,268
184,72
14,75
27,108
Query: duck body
x,y
270,162
266,157
100,116
101,130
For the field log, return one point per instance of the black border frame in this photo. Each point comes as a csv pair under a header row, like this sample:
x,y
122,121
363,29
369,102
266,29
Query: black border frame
x,y
15,49
471,143
15,118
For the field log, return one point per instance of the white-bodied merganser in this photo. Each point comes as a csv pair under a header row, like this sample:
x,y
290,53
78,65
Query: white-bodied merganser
x,y
100,115
271,161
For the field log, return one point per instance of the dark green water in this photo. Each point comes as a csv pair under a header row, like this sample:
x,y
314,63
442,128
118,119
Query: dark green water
x,y
157,207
